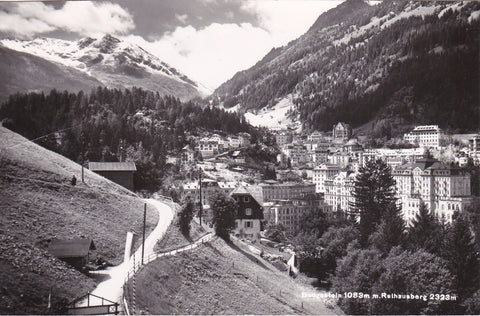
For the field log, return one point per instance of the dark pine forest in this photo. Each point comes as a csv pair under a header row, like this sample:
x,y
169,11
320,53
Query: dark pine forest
x,y
111,124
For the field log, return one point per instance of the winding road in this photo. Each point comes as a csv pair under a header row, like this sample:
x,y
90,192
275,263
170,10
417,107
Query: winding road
x,y
114,277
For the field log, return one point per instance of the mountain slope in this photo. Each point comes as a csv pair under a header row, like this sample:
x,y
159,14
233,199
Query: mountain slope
x,y
22,72
113,62
38,203
400,62
219,278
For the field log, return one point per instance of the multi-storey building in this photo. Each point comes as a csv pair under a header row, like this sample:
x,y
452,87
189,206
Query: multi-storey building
x,y
318,156
322,173
244,139
392,157
339,191
289,212
209,189
341,132
187,155
283,138
298,154
208,148
286,191
474,144
430,136
443,188
316,136
234,142
340,158
474,149
250,214
352,146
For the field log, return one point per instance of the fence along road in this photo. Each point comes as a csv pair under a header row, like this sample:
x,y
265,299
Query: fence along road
x,y
129,308
112,287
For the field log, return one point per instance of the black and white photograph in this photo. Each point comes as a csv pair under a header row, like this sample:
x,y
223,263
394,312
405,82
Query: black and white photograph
x,y
239,157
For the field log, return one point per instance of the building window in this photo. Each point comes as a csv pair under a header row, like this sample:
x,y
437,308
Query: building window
x,y
248,211
246,199
248,224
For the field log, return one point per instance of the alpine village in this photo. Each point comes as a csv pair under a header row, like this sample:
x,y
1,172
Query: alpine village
x,y
338,175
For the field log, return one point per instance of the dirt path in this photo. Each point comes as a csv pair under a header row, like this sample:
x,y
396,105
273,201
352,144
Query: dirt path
x,y
113,277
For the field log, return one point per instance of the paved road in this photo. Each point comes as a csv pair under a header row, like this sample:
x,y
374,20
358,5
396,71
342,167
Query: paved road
x,y
111,287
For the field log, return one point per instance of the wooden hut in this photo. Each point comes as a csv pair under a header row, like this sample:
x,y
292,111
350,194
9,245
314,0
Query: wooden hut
x,y
73,251
118,172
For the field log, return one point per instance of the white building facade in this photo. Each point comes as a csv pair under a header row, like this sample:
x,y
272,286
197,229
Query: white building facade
x,y
443,188
322,173
339,191
430,136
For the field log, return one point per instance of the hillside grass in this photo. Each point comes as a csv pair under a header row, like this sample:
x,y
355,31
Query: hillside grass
x,y
174,239
221,278
38,203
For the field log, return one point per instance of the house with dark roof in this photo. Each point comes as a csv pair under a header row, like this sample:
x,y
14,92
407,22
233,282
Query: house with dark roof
x,y
249,218
73,251
118,172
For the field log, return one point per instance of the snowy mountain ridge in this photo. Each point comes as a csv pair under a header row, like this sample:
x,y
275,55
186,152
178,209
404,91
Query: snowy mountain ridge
x,y
106,59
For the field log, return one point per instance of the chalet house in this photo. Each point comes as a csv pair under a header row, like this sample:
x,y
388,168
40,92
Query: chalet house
x,y
118,172
250,213
75,252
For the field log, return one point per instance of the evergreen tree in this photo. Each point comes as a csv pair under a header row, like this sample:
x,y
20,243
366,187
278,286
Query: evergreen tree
x,y
374,194
185,218
425,232
390,232
462,256
224,211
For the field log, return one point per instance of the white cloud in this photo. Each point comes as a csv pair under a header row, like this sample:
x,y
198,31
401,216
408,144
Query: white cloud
x,y
286,20
22,27
83,17
213,54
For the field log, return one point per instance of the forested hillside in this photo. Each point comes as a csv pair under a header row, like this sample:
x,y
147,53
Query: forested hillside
x,y
109,124
401,63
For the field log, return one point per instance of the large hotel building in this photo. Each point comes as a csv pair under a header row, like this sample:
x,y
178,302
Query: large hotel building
x,y
444,188
425,136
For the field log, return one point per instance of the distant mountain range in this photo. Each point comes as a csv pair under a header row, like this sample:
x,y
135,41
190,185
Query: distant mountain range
x,y
47,63
382,67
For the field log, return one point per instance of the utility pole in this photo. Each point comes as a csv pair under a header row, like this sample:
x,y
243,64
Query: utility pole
x,y
201,203
144,223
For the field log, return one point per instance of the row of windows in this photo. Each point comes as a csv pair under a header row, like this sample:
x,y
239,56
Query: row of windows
x,y
246,224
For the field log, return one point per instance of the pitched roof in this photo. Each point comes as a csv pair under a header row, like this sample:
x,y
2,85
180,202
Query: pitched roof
x,y
68,248
112,166
256,194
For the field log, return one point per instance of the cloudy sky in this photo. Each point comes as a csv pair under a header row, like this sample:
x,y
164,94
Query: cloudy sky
x,y
208,40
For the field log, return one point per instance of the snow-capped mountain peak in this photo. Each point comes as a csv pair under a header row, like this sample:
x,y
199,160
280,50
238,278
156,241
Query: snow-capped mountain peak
x,y
107,58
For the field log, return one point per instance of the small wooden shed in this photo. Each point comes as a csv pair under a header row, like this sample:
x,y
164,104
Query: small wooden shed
x,y
73,251
118,172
